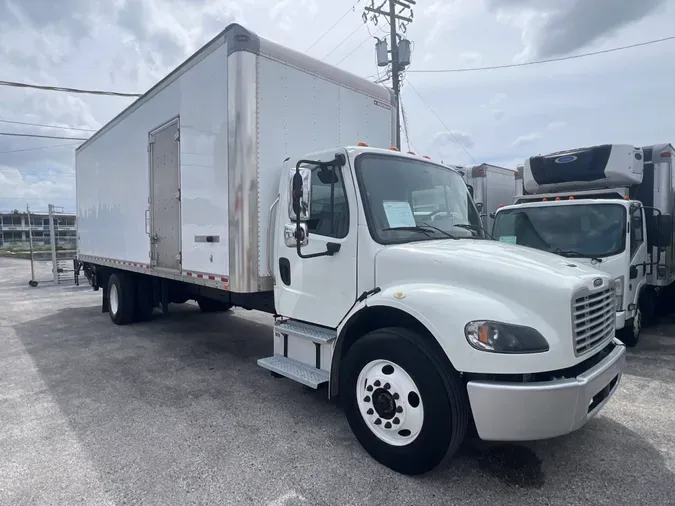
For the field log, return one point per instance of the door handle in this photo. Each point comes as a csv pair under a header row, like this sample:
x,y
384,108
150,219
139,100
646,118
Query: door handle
x,y
147,221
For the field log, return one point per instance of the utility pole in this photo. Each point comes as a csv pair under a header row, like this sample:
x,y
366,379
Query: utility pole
x,y
400,50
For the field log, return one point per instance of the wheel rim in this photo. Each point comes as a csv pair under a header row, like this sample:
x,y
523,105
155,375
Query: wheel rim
x,y
637,323
113,299
390,402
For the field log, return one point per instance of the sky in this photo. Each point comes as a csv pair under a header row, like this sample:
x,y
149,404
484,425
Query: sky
x,y
494,116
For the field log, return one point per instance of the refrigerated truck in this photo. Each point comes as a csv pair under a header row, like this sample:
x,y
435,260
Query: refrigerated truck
x,y
491,186
609,206
239,180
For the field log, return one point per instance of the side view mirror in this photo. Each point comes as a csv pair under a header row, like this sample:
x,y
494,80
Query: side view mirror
x,y
633,272
300,194
479,207
493,214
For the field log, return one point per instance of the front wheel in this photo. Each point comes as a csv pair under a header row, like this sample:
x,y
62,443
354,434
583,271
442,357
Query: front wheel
x,y
630,334
405,408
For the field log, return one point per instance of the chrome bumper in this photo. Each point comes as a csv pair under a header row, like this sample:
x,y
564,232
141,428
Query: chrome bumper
x,y
528,411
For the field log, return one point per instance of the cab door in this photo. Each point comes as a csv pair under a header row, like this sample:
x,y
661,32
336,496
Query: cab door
x,y
321,289
638,269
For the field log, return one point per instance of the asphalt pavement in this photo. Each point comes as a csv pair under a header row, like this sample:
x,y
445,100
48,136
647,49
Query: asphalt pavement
x,y
176,411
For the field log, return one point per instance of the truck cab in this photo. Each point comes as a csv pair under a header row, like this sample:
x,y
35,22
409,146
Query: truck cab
x,y
386,289
596,222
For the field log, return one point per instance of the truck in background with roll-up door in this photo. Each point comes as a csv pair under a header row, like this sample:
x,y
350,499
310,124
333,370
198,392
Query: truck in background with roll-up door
x,y
610,206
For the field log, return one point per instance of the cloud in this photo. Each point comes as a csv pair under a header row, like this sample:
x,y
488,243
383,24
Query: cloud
x,y
526,139
555,27
502,115
556,125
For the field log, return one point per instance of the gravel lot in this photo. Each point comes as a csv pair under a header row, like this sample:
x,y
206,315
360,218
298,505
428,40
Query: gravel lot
x,y
176,411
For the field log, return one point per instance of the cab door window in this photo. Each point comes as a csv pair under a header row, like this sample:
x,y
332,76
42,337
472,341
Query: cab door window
x,y
636,231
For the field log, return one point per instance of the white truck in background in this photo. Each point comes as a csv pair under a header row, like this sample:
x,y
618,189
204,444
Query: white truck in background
x,y
609,206
519,180
491,186
227,183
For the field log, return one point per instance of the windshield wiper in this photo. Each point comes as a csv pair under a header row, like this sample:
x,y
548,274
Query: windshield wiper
x,y
473,228
569,253
424,228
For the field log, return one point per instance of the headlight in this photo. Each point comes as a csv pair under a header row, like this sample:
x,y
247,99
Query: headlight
x,y
618,291
504,337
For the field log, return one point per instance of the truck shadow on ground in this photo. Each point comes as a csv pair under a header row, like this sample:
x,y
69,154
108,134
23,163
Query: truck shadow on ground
x,y
185,388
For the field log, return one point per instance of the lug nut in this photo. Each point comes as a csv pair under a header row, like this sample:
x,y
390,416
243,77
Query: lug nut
x,y
387,386
369,388
399,409
377,383
366,398
387,425
378,422
396,420
370,411
395,396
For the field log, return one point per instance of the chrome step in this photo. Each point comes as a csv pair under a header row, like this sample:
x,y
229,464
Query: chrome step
x,y
294,370
305,331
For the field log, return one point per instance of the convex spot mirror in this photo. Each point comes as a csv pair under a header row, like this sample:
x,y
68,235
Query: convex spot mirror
x,y
300,194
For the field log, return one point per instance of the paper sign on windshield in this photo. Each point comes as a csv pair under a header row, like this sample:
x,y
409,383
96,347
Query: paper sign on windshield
x,y
511,239
399,214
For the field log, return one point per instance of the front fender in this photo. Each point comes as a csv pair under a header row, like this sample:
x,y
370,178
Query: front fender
x,y
445,310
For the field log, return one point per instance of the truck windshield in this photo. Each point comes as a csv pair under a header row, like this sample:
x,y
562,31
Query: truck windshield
x,y
411,200
579,230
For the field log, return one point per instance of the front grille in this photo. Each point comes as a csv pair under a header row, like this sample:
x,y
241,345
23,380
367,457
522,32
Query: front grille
x,y
593,319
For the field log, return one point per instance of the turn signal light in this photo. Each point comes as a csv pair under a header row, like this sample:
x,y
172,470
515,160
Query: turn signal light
x,y
394,148
362,145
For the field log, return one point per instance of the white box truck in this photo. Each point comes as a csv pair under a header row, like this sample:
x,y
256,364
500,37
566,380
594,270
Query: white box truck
x,y
491,186
229,183
609,206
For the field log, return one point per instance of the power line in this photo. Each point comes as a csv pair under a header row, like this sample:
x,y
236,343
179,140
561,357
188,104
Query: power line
x,y
354,50
441,121
39,148
548,60
69,90
334,25
44,136
46,126
343,41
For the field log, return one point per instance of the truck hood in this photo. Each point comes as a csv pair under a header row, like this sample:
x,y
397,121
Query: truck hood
x,y
482,265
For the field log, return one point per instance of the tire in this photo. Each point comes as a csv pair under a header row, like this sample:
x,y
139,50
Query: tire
x,y
121,298
213,306
401,361
630,334
648,302
144,299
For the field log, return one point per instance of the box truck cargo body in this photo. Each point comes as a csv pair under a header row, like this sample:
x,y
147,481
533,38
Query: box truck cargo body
x,y
492,186
193,158
258,177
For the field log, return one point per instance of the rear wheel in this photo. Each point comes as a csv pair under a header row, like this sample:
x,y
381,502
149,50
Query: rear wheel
x,y
407,410
121,298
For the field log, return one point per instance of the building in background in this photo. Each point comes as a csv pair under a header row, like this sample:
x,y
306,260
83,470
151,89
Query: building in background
x,y
14,230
